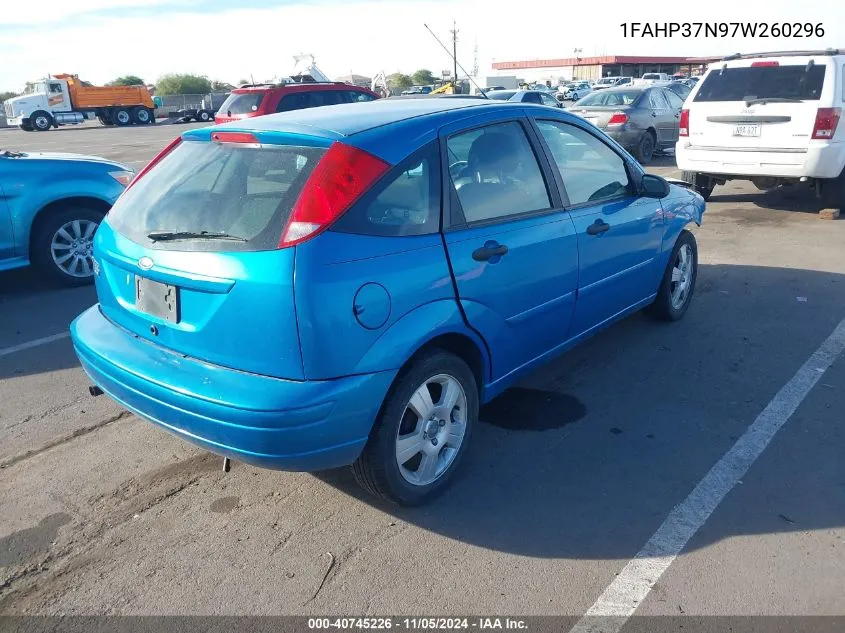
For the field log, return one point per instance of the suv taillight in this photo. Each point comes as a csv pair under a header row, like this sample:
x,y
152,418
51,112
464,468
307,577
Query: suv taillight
x,y
826,121
339,179
683,125
618,118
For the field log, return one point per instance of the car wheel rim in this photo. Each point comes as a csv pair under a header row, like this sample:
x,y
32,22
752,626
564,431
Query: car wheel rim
x,y
42,122
72,248
123,117
432,430
143,116
682,271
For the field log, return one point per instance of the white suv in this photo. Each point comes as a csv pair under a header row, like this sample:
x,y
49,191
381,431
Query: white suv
x,y
771,118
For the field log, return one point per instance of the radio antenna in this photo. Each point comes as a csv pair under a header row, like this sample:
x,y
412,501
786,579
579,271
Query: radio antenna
x,y
455,59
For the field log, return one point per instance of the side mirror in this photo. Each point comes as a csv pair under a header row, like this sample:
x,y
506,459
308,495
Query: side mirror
x,y
652,186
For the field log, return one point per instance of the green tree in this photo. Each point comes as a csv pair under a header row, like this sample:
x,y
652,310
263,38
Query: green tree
x,y
423,77
183,84
221,86
399,80
7,95
127,80
241,82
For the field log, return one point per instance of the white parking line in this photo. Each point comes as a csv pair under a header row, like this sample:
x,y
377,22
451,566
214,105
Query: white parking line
x,y
622,597
30,344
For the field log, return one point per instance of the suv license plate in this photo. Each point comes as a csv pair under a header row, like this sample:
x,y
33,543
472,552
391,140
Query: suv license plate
x,y
157,299
747,130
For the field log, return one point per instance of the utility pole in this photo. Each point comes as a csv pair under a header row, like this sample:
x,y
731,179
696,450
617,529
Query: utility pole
x,y
475,61
455,55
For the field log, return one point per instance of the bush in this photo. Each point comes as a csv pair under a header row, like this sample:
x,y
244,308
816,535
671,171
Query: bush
x,y
182,84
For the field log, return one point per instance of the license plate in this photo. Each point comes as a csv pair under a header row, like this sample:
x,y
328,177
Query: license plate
x,y
157,299
747,130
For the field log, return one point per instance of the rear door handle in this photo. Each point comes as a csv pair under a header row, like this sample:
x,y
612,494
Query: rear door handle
x,y
598,227
489,251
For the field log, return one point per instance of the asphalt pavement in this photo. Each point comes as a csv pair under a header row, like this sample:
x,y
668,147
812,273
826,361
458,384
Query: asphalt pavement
x,y
691,468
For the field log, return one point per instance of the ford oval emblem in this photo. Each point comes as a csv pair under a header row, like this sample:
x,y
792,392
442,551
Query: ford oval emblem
x,y
145,263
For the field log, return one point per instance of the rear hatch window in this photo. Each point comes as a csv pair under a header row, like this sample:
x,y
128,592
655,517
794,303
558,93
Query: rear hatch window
x,y
802,82
243,103
206,196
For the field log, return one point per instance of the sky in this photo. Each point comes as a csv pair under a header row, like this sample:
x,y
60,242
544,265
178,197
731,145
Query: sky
x,y
233,39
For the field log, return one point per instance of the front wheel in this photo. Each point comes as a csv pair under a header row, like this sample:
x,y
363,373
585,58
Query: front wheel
x,y
41,121
422,431
63,245
678,282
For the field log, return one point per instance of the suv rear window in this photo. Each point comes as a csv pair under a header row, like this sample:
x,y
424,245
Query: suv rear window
x,y
763,82
243,103
237,190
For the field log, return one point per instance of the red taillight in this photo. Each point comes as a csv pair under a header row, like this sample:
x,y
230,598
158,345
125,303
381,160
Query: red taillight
x,y
338,180
154,161
764,64
826,121
235,137
618,118
683,124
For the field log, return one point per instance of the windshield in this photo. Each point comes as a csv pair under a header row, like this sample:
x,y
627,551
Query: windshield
x,y
36,88
501,95
606,81
213,188
763,82
651,76
610,98
243,103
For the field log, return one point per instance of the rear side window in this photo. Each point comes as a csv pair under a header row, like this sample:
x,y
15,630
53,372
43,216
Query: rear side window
x,y
244,103
405,203
657,100
763,82
233,190
311,99
675,101
355,96
495,173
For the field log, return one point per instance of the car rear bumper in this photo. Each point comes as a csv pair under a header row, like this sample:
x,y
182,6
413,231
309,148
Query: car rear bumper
x,y
265,421
822,160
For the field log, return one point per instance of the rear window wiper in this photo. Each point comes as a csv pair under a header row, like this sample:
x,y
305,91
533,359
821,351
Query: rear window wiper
x,y
169,236
765,100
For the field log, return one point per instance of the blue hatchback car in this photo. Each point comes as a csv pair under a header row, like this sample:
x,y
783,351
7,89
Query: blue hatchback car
x,y
348,284
50,207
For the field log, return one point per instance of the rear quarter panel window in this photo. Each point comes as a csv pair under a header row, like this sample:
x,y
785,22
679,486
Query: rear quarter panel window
x,y
406,202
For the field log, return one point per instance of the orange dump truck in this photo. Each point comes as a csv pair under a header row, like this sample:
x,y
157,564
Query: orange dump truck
x,y
65,99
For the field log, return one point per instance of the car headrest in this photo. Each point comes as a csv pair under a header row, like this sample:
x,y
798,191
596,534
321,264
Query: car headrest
x,y
493,152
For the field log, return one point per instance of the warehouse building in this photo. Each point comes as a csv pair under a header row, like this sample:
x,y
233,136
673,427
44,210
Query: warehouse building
x,y
590,68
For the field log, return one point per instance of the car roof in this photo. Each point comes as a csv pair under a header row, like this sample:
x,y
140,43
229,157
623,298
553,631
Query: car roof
x,y
298,87
353,118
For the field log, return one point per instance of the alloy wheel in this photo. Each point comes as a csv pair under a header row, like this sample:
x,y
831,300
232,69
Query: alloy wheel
x,y
72,248
432,430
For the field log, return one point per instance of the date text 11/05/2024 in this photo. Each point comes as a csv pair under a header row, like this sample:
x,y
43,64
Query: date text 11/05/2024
x,y
722,29
418,624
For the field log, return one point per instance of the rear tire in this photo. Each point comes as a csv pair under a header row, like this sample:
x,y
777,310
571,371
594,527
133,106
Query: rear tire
x,y
832,192
40,121
678,283
644,151
440,432
62,238
697,180
141,115
203,116
121,116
